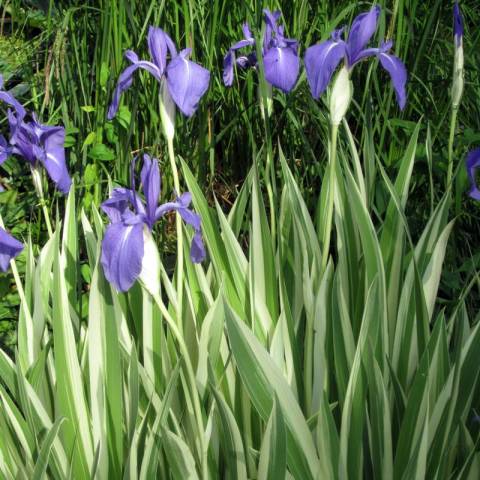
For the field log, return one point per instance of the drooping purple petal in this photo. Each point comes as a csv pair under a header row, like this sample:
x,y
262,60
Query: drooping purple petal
x,y
361,31
320,62
5,149
228,62
281,68
159,44
457,24
150,176
126,78
122,254
398,73
9,99
472,163
10,247
53,139
187,82
197,248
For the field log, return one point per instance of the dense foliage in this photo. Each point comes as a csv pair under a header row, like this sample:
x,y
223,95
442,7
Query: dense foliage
x,y
332,329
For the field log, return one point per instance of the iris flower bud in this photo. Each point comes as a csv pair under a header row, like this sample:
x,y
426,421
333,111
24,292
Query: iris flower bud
x,y
340,96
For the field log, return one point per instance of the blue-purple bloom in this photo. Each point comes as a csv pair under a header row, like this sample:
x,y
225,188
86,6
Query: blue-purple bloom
x,y
130,217
186,80
280,55
457,24
10,247
322,60
35,142
473,163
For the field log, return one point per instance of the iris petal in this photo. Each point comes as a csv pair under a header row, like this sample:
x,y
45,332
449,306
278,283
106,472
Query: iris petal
x,y
473,162
398,73
159,43
10,247
53,139
150,175
122,254
320,62
362,30
281,68
126,78
187,83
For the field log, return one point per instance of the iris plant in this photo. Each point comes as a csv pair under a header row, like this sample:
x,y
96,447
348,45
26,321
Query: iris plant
x,y
181,79
35,142
280,55
127,251
322,60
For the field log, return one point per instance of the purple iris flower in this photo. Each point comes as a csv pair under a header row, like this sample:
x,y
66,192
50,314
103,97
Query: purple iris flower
x,y
186,80
322,60
10,247
35,142
280,55
473,162
123,243
457,24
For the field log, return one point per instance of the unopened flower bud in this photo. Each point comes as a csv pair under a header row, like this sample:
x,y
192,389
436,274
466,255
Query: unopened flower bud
x,y
150,275
458,74
167,111
340,96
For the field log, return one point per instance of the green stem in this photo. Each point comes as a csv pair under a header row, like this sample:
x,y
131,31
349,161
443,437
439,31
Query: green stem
x,y
37,182
191,380
330,198
451,139
176,184
47,217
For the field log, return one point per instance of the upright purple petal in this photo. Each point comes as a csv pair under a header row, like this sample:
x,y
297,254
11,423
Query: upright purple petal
x,y
457,24
122,254
320,62
281,67
159,44
150,175
247,34
473,162
270,27
187,83
398,73
118,203
361,31
23,139
10,247
126,78
53,140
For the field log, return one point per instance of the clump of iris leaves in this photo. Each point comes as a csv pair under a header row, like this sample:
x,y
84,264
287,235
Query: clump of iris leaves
x,y
64,59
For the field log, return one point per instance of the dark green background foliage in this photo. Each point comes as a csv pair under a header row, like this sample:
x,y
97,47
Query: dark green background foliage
x,y
63,58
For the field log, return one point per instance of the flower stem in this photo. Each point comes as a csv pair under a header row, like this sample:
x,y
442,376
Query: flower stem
x,y
330,198
176,184
191,380
37,182
451,139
